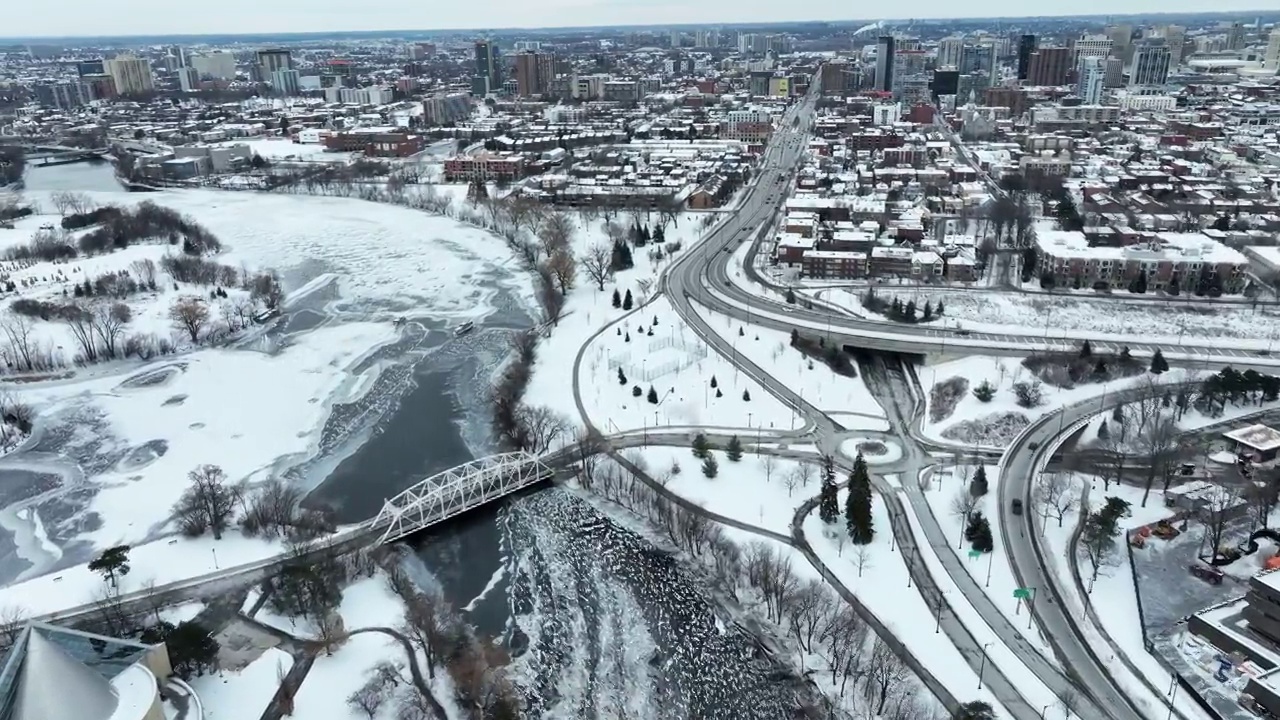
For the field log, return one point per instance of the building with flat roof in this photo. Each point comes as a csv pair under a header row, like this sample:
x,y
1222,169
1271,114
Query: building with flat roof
x,y
1257,442
1191,260
55,673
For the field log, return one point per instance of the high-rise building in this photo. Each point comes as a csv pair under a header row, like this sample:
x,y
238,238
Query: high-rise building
x,y
1235,36
1121,41
1049,66
534,73
64,95
527,46
1091,79
1026,46
270,61
1098,46
1175,36
979,60
446,109
286,82
1150,63
886,47
90,67
217,65
487,77
1271,58
188,79
132,75
949,51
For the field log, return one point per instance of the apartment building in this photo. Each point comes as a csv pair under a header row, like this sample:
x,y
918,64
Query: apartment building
x,y
446,108
131,75
484,166
1165,258
376,143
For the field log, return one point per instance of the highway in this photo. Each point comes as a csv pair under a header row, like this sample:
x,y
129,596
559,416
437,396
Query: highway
x,y
1018,471
701,274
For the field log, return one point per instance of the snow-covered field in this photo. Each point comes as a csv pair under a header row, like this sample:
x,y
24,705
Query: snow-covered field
x,y
973,422
244,693
759,490
672,360
680,368
992,570
813,380
882,587
276,149
1059,316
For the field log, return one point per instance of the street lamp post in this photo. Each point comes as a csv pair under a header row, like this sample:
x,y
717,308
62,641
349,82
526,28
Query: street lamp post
x,y
983,664
215,557
990,559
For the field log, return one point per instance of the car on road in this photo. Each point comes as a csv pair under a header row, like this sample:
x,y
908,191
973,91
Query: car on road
x,y
1016,506
962,332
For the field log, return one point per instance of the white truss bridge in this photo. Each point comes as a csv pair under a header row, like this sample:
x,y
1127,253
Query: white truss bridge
x,y
456,491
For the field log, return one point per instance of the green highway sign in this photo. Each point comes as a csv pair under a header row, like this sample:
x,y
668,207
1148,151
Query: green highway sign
x,y
1023,593
975,554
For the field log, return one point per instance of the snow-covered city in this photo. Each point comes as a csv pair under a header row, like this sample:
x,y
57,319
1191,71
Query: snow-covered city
x,y
849,370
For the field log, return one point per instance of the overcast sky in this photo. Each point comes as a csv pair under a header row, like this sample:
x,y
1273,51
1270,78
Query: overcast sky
x,y
37,18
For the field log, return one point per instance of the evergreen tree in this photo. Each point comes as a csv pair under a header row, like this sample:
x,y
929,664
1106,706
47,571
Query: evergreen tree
x,y
709,466
927,314
791,296
795,337
701,448
636,391
622,378
985,392
746,396
617,298
653,395
1125,356
719,393
909,312
1158,363
971,526
938,310
734,449
829,503
975,710
983,541
857,511
1104,433
713,381
659,235
626,301
1086,350
978,485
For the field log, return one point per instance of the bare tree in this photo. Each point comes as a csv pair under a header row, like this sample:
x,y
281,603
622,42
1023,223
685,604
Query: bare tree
x,y
108,321
60,202
806,609
768,463
542,427
208,503
1217,507
145,269
79,321
13,619
563,268
369,698
804,473
154,601
1159,441
597,263
1056,494
17,329
962,506
525,214
790,480
425,626
330,629
190,314
1263,494
844,640
555,232
885,672
862,558
615,232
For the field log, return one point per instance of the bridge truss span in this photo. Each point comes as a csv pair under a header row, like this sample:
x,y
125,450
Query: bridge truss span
x,y
458,490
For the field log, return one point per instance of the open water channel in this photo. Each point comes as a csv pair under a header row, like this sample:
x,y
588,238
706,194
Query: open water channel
x,y
601,623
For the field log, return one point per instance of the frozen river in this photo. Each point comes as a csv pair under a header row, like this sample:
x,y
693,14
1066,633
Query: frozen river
x,y
600,622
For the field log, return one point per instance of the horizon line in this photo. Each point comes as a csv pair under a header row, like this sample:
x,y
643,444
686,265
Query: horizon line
x,y
28,39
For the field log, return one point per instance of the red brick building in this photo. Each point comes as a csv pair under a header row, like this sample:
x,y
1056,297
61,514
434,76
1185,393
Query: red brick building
x,y
376,144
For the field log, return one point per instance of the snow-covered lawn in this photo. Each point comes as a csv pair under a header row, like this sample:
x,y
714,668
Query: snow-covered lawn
x,y
245,693
883,589
1065,316
680,368
275,149
997,422
178,614
758,490
1113,596
991,570
813,380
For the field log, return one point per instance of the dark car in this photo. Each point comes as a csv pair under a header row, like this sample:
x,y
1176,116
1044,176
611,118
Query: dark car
x,y
1016,506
